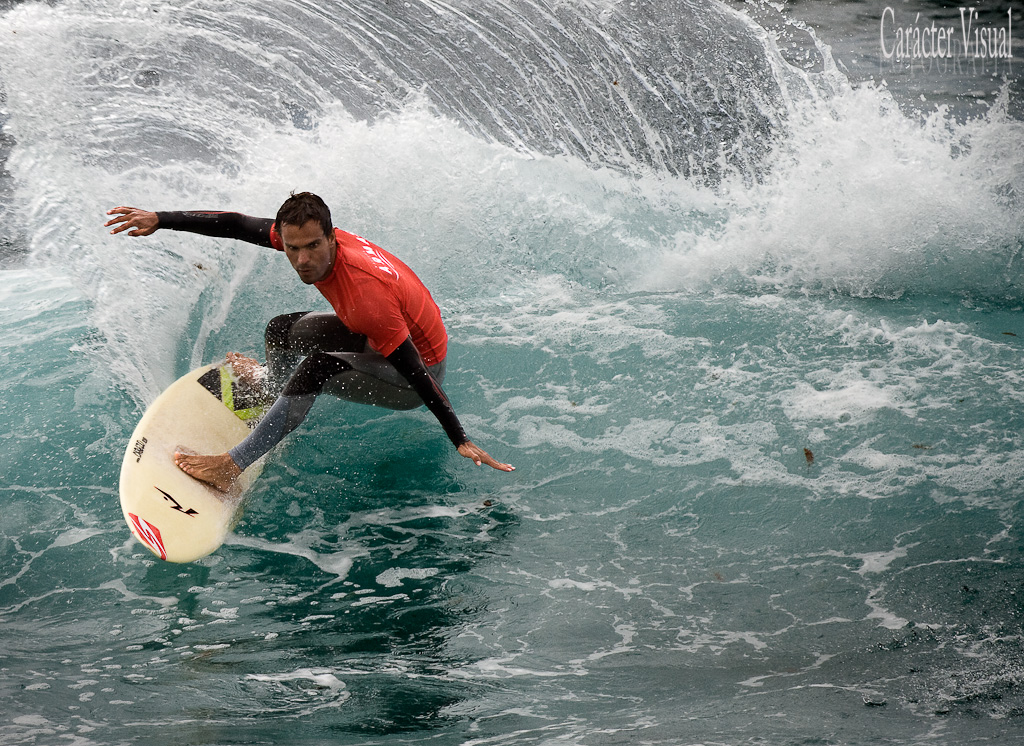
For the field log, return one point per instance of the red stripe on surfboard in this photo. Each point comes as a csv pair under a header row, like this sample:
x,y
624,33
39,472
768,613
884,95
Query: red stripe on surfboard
x,y
149,535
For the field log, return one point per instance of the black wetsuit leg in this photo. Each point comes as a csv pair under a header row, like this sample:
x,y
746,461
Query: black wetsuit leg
x,y
369,378
362,376
292,336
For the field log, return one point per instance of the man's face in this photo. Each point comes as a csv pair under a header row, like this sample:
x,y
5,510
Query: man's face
x,y
309,250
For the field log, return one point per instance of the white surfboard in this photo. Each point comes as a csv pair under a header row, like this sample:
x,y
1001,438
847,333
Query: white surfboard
x,y
176,517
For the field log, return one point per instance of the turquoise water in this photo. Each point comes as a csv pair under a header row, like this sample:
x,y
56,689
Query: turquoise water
x,y
764,404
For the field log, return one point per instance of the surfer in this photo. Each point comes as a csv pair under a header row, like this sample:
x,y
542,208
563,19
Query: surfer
x,y
385,344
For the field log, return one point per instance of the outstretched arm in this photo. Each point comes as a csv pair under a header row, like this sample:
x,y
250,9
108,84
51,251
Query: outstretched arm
x,y
408,362
208,223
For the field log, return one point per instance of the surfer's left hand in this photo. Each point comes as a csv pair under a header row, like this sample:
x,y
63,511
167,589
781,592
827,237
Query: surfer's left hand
x,y
480,456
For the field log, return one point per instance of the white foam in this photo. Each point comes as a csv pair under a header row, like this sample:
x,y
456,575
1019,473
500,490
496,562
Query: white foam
x,y
884,617
379,600
502,668
878,562
561,583
75,535
321,677
868,201
335,563
844,400
393,576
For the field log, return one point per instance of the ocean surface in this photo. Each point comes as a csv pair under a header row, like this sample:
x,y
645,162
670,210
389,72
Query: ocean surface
x,y
740,296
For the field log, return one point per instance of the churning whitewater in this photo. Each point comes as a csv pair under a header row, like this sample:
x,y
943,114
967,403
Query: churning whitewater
x,y
746,318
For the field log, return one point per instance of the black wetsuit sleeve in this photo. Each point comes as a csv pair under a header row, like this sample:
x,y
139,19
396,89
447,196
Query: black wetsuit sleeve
x,y
408,362
219,225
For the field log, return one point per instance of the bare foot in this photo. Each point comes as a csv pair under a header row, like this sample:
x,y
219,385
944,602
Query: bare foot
x,y
247,370
220,472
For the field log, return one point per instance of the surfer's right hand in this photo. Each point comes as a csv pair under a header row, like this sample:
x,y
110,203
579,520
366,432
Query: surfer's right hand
x,y
479,456
142,221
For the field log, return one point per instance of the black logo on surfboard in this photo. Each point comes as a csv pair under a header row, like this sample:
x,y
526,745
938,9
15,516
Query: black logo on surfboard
x,y
175,505
139,448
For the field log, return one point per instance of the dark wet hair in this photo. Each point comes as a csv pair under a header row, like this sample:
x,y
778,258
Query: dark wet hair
x,y
300,208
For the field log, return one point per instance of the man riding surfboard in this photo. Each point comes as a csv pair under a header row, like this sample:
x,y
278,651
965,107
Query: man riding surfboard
x,y
385,343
